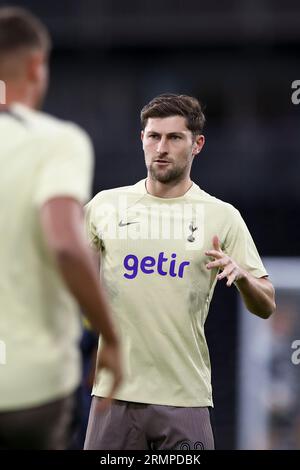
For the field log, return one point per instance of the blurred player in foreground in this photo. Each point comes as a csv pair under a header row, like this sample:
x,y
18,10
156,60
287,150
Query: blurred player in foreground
x,y
164,243
45,263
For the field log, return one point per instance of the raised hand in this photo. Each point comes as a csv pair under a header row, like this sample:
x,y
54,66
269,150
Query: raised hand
x,y
222,261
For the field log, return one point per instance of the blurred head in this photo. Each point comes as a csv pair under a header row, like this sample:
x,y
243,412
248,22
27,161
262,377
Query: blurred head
x,y
24,49
172,136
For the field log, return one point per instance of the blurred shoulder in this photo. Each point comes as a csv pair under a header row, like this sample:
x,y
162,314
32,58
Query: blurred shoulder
x,y
41,124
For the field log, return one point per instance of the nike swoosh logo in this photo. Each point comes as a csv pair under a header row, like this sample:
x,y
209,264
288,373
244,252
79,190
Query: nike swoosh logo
x,y
123,224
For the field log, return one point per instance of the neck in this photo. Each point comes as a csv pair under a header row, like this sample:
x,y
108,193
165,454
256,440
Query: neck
x,y
17,93
168,190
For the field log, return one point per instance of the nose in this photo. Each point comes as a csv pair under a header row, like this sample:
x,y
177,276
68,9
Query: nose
x,y
162,146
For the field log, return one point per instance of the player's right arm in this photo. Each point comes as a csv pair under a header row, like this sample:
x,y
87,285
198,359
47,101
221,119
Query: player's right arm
x,y
62,224
63,187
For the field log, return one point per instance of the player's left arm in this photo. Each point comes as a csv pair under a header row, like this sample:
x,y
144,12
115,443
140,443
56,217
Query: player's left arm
x,y
258,293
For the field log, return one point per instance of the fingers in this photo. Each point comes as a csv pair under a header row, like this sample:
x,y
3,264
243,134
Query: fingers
x,y
106,402
226,272
217,251
231,278
103,404
216,243
231,272
214,254
115,386
220,263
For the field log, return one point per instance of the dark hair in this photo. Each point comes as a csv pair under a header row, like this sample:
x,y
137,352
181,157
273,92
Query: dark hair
x,y
167,105
21,29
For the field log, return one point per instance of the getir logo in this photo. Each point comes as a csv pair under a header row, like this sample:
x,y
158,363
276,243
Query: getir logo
x,y
149,265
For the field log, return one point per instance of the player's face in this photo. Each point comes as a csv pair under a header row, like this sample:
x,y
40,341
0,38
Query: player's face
x,y
169,148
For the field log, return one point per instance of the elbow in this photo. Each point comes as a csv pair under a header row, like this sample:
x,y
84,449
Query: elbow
x,y
263,305
272,303
267,311
270,308
273,307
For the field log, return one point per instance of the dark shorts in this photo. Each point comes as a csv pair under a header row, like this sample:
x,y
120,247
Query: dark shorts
x,y
46,427
137,426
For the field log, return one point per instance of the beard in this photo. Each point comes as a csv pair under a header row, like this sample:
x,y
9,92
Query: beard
x,y
170,175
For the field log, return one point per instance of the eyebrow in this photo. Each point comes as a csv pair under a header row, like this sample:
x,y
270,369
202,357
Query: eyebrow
x,y
168,134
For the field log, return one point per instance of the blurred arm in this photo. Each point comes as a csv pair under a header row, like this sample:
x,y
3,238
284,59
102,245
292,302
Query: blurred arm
x,y
62,225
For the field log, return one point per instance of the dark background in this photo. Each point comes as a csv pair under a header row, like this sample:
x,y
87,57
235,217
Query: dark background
x,y
239,58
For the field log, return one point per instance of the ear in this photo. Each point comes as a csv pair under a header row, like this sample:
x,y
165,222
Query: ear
x,y
35,66
198,144
142,135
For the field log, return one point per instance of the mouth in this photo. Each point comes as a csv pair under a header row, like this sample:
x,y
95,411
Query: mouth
x,y
162,162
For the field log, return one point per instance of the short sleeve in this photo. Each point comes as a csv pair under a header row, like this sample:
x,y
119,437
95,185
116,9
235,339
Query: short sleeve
x,y
240,246
67,166
90,227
